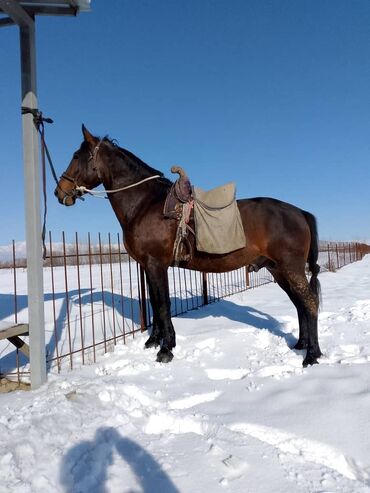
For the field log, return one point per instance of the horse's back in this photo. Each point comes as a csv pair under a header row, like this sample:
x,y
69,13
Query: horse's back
x,y
274,226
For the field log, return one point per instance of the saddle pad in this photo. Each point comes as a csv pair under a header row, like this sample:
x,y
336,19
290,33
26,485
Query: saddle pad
x,y
218,225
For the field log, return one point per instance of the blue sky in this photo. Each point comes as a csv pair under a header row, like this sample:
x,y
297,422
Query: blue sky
x,y
271,94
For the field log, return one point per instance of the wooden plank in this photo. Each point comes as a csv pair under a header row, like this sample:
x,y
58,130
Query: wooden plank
x,y
13,331
21,345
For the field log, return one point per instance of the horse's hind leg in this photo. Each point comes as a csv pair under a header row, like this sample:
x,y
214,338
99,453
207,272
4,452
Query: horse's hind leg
x,y
302,322
307,304
160,299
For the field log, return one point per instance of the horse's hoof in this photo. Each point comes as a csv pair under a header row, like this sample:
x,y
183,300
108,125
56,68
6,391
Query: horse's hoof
x,y
300,345
151,342
164,355
310,360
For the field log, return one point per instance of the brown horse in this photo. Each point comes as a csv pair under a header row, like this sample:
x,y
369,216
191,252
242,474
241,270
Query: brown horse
x,y
280,234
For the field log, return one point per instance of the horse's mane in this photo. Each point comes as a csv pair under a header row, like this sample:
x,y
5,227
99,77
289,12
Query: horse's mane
x,y
134,160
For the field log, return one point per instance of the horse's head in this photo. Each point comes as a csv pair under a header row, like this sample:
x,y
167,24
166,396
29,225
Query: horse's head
x,y
82,171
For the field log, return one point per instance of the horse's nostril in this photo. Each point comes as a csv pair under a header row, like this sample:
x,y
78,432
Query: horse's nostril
x,y
56,192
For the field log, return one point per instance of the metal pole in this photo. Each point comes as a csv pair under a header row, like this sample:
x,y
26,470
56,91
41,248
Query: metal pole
x,y
205,288
32,208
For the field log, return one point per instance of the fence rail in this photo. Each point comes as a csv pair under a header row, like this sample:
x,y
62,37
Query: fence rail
x,y
335,255
96,296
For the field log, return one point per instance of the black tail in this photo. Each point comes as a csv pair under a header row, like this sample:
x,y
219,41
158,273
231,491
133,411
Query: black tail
x,y
313,255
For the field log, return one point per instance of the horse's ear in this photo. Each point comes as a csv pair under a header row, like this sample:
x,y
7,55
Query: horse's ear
x,y
89,138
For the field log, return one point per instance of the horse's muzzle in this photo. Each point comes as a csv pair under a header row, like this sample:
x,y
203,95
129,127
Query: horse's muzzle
x,y
64,199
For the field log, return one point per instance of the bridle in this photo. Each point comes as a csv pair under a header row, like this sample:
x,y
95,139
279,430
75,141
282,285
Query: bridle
x,y
80,190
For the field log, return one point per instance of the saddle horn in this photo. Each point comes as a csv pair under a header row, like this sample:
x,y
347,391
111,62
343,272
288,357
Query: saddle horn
x,y
179,170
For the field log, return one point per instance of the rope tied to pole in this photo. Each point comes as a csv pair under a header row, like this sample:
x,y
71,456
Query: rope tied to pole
x,y
39,120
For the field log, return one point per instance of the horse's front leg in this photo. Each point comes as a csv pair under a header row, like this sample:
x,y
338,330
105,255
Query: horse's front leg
x,y
160,300
155,337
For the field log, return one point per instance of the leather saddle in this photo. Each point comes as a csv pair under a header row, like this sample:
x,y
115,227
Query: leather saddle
x,y
180,193
179,206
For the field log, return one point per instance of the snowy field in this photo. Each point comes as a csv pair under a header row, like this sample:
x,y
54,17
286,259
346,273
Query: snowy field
x,y
90,307
234,412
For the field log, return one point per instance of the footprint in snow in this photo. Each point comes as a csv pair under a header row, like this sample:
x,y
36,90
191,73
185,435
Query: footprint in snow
x,y
227,374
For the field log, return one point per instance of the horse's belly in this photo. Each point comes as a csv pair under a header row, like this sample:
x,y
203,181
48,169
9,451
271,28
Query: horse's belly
x,y
219,263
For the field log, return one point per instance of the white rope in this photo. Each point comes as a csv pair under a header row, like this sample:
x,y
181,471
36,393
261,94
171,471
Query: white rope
x,y
97,193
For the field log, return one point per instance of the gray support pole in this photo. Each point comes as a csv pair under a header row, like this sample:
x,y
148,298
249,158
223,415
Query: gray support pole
x,y
33,212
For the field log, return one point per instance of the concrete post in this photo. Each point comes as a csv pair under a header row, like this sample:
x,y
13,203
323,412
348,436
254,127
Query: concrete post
x,y
32,209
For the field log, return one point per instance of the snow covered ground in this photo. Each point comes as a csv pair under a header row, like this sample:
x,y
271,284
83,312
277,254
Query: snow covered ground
x,y
234,412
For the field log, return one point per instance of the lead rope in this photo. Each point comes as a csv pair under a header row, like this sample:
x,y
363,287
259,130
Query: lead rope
x,y
97,193
38,120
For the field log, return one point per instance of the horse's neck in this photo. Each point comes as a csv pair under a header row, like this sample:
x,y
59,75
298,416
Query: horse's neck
x,y
129,203
124,171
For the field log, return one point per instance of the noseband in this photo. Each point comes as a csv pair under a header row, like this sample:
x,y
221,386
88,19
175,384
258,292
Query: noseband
x,y
74,193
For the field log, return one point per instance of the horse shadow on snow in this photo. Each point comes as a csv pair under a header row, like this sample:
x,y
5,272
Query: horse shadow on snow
x,y
244,314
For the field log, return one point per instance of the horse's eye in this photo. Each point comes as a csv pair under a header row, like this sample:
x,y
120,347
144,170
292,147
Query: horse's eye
x,y
76,155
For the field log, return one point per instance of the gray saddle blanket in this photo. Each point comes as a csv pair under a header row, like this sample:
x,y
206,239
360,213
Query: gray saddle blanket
x,y
218,225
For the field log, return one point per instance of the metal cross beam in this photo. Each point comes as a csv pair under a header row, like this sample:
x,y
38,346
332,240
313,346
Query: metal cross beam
x,y
16,12
19,12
